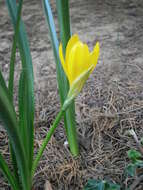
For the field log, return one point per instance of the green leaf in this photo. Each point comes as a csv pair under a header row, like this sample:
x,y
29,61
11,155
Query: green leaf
x,y
94,185
139,163
8,175
28,96
131,170
8,116
11,80
134,155
23,111
136,162
100,185
13,51
141,141
64,21
2,81
69,119
55,46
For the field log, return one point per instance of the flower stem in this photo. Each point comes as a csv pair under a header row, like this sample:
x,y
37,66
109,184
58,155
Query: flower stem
x,y
46,140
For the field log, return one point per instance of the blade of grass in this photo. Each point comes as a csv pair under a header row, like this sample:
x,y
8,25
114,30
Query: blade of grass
x,y
23,110
61,79
64,23
8,116
55,46
11,80
13,51
8,175
2,81
23,45
69,118
2,163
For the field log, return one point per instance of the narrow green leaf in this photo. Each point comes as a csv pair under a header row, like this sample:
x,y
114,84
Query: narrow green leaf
x,y
64,23
11,80
27,67
14,164
141,141
23,111
69,117
55,46
13,51
2,82
7,173
8,116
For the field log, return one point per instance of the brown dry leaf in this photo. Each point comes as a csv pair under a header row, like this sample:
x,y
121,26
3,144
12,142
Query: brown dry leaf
x,y
47,186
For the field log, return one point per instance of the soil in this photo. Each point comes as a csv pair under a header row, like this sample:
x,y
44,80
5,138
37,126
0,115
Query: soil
x,y
110,104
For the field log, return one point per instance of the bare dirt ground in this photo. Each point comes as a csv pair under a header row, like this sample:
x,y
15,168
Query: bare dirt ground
x,y
110,104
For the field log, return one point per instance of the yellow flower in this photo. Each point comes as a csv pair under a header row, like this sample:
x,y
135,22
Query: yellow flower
x,y
78,63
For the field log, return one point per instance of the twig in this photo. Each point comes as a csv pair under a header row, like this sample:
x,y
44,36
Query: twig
x,y
132,132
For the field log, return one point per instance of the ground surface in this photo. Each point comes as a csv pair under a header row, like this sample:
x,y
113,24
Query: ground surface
x,y
109,105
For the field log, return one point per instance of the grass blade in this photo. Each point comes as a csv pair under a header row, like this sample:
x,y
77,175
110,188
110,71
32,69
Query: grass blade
x,y
55,45
23,111
2,82
64,23
13,52
11,80
27,67
8,116
8,175
69,117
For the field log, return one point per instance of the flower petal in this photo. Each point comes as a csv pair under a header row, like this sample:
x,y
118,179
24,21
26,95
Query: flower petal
x,y
72,62
78,60
70,44
95,55
82,57
62,59
97,52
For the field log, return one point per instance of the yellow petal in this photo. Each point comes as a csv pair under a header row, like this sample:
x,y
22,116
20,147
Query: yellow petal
x,y
97,52
78,60
82,57
72,62
62,59
70,44
95,55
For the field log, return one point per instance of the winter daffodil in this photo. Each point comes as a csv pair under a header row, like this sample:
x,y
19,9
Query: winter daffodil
x,y
78,63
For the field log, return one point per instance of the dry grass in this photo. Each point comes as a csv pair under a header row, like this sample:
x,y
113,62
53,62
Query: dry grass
x,y
105,112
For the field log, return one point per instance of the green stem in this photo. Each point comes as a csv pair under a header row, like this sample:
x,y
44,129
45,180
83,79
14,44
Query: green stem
x,y
64,23
46,140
